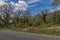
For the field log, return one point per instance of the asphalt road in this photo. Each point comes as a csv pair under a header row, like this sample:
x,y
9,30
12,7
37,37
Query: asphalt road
x,y
10,35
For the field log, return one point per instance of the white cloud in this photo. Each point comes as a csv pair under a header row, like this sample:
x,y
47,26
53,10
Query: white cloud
x,y
21,5
33,6
2,2
33,1
12,3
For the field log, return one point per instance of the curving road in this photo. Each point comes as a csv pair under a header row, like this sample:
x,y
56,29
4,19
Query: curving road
x,y
10,35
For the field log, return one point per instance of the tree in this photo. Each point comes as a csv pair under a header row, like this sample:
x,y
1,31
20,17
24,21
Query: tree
x,y
57,17
27,18
37,20
44,14
55,3
6,10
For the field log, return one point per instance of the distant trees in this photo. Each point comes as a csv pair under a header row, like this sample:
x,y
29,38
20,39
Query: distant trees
x,y
37,20
40,18
57,17
47,18
23,20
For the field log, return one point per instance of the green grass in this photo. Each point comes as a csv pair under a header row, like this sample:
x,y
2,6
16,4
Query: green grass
x,y
51,30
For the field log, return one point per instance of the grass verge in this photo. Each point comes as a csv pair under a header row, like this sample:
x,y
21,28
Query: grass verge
x,y
52,30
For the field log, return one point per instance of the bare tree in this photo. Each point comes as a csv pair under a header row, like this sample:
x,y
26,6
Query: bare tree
x,y
6,10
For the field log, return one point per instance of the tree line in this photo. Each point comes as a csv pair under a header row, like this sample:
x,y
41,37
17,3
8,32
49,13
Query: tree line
x,y
24,19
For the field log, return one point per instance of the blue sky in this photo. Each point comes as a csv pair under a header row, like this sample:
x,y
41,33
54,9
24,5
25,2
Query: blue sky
x,y
40,6
36,6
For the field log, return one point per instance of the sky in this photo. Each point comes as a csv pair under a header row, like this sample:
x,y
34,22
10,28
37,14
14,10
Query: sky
x,y
34,6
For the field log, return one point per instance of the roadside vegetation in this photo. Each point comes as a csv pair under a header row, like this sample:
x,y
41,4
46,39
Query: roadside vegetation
x,y
45,22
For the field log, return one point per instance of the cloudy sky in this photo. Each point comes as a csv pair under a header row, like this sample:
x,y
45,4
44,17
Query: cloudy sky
x,y
34,6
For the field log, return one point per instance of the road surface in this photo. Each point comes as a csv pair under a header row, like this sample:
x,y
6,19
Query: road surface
x,y
10,35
